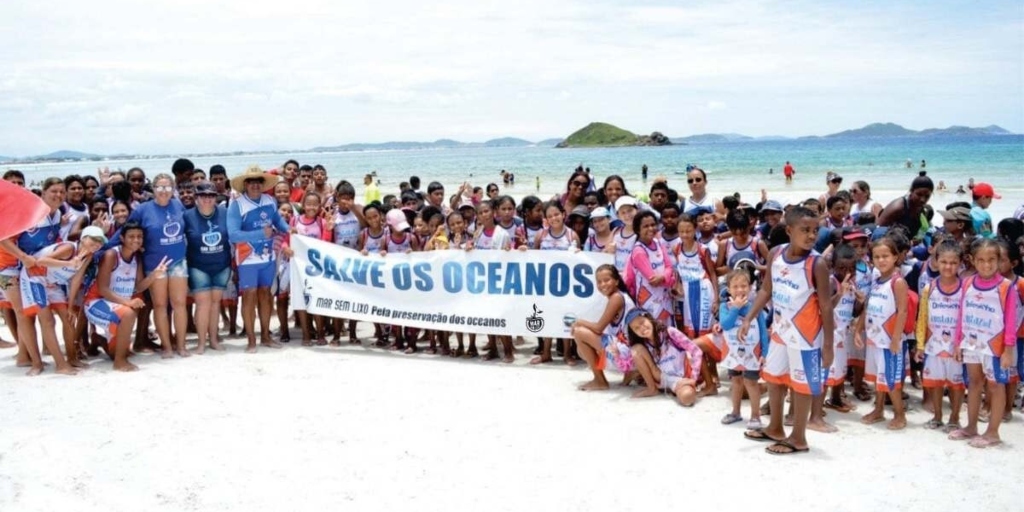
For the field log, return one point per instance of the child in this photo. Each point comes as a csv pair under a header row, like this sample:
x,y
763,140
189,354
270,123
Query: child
x,y
557,237
649,273
111,302
847,304
601,238
742,358
857,238
533,218
664,356
838,209
490,237
884,318
739,227
373,238
801,351
282,283
605,339
312,224
669,228
624,237
400,240
985,341
697,291
937,316
706,226
505,217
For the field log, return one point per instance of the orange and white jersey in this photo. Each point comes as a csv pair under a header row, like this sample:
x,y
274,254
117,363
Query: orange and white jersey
x,y
983,322
881,312
122,279
797,314
943,313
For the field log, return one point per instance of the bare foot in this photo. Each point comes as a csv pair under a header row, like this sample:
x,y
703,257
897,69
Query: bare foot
x,y
645,392
143,349
250,349
822,426
167,354
24,363
78,363
872,417
35,370
183,352
216,346
594,385
572,361
540,360
897,424
271,343
200,350
508,359
7,344
126,367
708,391
66,370
491,355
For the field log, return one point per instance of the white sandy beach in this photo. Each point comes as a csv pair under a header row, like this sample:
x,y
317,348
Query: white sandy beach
x,y
365,429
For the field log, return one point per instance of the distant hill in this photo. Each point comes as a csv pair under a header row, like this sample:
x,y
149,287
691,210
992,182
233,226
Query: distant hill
x,y
6,158
597,135
712,137
890,130
549,142
507,142
67,155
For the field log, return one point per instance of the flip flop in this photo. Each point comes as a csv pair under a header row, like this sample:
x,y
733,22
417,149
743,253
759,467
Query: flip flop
x,y
785,444
759,435
731,418
983,442
933,424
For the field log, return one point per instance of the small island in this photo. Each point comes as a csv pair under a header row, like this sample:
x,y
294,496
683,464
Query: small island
x,y
604,135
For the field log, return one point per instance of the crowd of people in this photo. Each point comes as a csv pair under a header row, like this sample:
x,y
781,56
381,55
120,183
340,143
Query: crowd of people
x,y
833,296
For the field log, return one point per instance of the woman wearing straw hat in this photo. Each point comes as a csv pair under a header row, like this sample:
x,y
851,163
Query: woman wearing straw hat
x,y
252,221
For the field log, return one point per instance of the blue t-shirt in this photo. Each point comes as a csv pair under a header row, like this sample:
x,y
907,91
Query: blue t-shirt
x,y
208,247
982,222
164,228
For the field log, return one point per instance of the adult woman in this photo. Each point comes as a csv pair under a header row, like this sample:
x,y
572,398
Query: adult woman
x,y
575,188
907,211
209,261
833,181
492,191
17,253
614,188
74,207
697,180
162,221
860,193
91,185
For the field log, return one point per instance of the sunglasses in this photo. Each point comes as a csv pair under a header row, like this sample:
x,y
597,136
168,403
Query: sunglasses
x,y
691,181
576,183
854,191
836,180
163,188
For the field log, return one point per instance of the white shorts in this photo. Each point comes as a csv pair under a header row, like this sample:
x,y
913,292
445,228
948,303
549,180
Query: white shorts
x,y
799,369
941,372
855,356
884,368
837,372
994,372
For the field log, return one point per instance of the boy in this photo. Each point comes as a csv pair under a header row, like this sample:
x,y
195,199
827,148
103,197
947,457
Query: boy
x,y
797,283
983,196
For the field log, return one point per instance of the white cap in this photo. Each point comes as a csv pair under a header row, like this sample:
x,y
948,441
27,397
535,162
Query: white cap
x,y
599,212
625,201
94,232
396,219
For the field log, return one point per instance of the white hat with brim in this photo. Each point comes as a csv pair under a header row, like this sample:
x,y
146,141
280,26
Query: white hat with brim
x,y
252,173
93,232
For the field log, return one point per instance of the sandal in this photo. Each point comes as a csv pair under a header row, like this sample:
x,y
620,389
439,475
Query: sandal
x,y
731,418
933,424
789,449
758,435
950,427
862,394
840,406
754,424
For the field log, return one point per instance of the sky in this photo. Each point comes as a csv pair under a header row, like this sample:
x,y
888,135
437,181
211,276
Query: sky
x,y
189,76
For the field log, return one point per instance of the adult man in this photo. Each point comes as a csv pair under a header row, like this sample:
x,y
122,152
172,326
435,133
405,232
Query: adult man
x,y
788,171
182,169
372,192
252,222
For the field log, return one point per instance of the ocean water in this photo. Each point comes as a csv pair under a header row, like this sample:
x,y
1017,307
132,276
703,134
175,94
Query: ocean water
x,y
732,166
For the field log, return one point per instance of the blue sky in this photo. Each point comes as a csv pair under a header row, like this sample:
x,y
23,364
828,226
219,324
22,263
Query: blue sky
x,y
191,76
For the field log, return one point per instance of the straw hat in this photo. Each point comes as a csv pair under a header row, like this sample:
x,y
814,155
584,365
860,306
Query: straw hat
x,y
254,172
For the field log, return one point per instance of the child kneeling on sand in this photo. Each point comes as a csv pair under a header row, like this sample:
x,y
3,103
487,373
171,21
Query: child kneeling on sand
x,y
664,356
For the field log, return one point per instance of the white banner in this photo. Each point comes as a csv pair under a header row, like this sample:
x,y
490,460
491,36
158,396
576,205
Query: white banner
x,y
533,293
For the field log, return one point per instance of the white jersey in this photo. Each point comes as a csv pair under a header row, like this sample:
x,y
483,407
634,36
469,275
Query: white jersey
x,y
564,242
498,238
372,243
943,315
623,248
615,330
706,202
881,313
797,316
346,229
982,311
73,216
843,313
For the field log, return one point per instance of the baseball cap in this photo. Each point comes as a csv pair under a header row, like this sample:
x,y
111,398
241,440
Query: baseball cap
x,y
396,219
93,232
771,205
580,211
958,213
983,189
624,201
633,314
466,204
833,176
600,211
205,188
855,232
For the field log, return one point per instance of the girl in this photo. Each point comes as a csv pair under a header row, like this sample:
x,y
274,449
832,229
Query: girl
x,y
373,238
614,189
985,341
457,239
557,237
862,278
283,195
1010,260
885,317
490,237
649,273
742,358
605,339
312,224
111,302
601,238
505,217
400,240
846,305
697,291
282,283
664,356
533,218
74,208
624,237
937,316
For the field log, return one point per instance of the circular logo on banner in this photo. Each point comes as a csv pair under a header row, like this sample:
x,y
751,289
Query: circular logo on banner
x,y
534,322
569,319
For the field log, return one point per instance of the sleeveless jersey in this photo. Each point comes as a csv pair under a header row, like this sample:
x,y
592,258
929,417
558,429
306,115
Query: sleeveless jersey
x,y
550,242
122,279
623,248
655,299
313,229
531,234
593,244
731,248
672,246
712,246
45,233
843,314
695,304
689,204
856,210
742,355
372,243
615,330
797,318
499,238
399,246
982,312
881,313
60,275
73,216
943,314
346,229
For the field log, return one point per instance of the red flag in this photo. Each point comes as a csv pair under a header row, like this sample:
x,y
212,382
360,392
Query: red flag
x,y
19,210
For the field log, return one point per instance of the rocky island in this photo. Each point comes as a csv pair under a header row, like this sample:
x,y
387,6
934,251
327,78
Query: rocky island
x,y
603,135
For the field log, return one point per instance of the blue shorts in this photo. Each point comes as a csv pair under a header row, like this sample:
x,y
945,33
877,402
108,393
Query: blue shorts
x,y
1020,358
200,281
256,275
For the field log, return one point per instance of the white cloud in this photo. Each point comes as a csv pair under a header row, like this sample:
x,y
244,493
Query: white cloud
x,y
173,75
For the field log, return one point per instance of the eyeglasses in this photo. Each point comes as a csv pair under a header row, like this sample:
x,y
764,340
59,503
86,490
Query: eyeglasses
x,y
691,181
163,188
577,183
